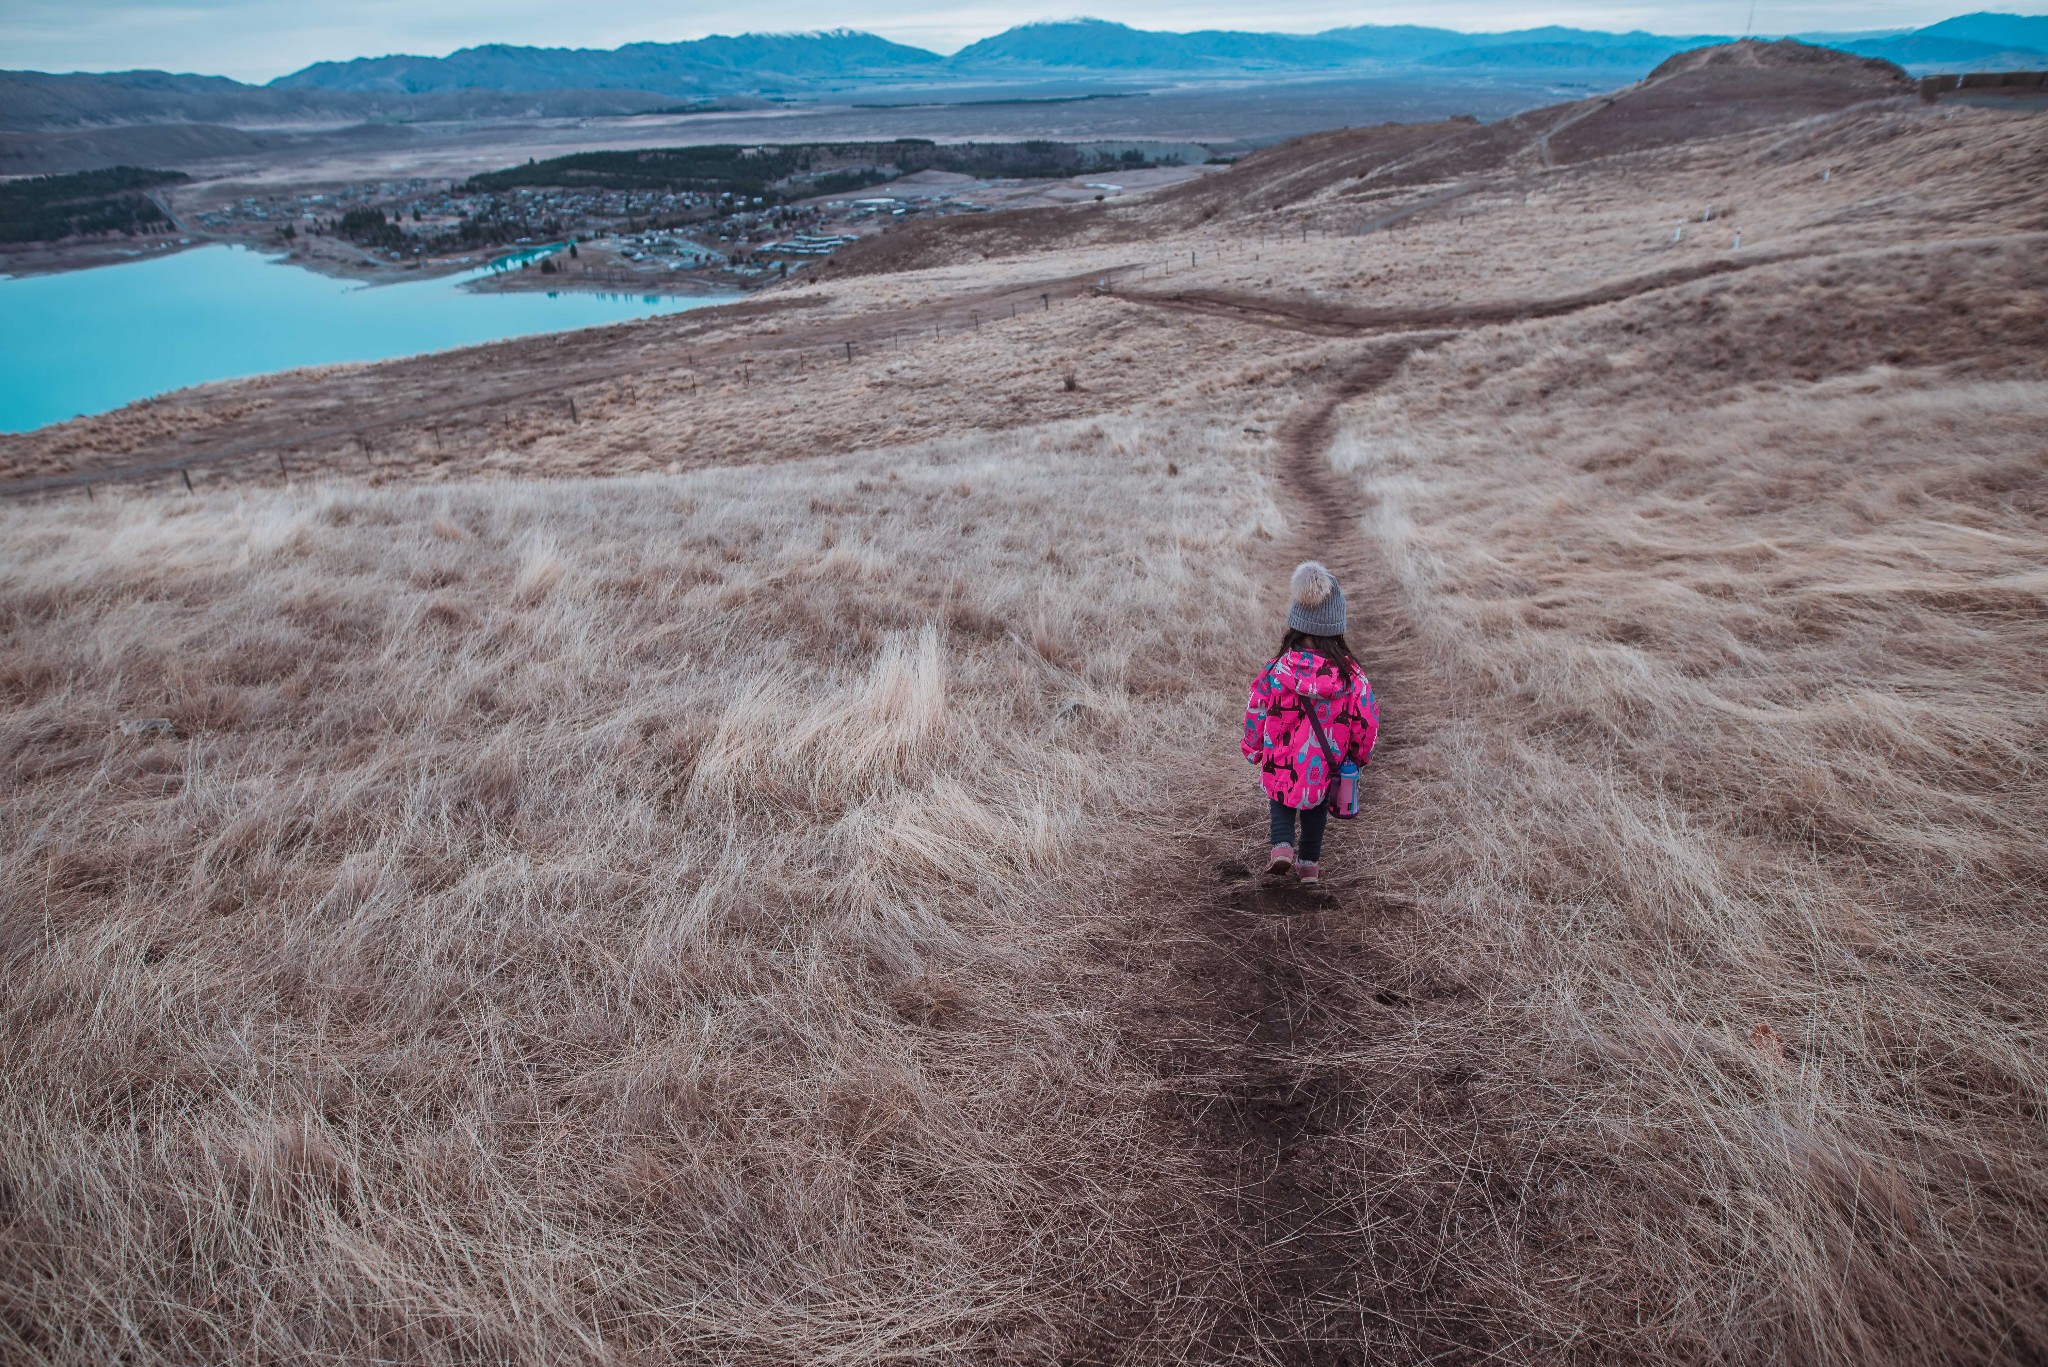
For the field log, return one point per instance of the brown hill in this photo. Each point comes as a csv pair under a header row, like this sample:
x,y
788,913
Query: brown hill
x,y
1341,180
1732,88
1788,55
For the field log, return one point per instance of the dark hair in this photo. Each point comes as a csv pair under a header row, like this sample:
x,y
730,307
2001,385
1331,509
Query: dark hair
x,y
1329,647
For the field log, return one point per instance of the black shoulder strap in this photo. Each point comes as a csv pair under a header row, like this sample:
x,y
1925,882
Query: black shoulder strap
x,y
1323,740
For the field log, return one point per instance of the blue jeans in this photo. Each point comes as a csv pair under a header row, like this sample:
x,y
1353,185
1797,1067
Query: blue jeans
x,y
1310,850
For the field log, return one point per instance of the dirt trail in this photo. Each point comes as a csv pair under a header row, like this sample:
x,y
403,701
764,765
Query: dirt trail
x,y
1320,318
1395,218
1579,114
1265,975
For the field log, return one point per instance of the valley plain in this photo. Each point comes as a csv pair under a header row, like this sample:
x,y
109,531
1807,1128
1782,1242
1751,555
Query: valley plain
x,y
721,838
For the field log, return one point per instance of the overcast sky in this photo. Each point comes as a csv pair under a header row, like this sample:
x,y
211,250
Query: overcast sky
x,y
254,40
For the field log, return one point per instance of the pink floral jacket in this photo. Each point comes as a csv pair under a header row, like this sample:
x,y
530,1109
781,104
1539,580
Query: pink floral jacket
x,y
1279,738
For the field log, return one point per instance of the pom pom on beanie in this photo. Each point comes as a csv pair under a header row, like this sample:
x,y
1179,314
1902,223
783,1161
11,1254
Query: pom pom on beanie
x,y
1318,606
1312,584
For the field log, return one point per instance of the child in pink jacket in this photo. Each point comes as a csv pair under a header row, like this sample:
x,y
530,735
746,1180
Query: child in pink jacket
x,y
1314,671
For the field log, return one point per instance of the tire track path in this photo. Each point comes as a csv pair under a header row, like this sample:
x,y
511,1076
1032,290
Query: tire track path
x,y
1339,320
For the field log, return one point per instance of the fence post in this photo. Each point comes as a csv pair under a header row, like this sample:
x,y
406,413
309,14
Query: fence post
x,y
1048,302
185,475
572,409
283,473
849,353
88,492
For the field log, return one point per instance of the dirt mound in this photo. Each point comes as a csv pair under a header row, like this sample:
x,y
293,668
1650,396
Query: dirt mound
x,y
1789,54
1732,88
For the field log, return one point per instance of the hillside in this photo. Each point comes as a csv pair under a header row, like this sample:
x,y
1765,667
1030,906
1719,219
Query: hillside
x,y
722,839
1968,42
36,100
31,101
1359,179
708,66
1994,30
1927,53
1096,45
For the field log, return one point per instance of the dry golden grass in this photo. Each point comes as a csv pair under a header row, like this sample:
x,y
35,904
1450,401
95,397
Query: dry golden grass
x,y
582,921
687,916
915,386
1727,842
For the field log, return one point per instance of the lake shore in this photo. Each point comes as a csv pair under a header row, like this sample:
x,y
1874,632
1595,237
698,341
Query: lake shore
x,y
84,341
596,272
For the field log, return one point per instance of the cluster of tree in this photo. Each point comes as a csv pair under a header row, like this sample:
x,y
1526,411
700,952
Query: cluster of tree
x,y
496,229
846,182
714,169
776,173
84,204
370,228
492,227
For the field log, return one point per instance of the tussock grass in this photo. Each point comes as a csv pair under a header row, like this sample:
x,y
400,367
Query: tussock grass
x,y
1728,855
581,921
685,916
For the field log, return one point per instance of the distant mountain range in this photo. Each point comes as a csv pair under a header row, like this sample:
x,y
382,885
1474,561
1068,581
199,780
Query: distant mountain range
x,y
506,80
1092,45
1968,42
783,63
34,100
750,63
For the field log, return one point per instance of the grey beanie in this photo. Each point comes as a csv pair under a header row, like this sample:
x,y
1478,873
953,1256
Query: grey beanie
x,y
1318,606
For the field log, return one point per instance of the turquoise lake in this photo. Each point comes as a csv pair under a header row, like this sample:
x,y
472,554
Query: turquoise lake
x,y
90,340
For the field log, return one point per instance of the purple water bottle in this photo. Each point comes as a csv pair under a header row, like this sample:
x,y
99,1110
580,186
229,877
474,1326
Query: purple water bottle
x,y
1346,805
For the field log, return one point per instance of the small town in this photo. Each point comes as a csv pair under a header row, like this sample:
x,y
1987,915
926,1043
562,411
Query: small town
x,y
438,225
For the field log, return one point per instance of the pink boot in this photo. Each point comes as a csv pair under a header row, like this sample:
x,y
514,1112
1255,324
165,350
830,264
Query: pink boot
x,y
1281,861
1311,871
